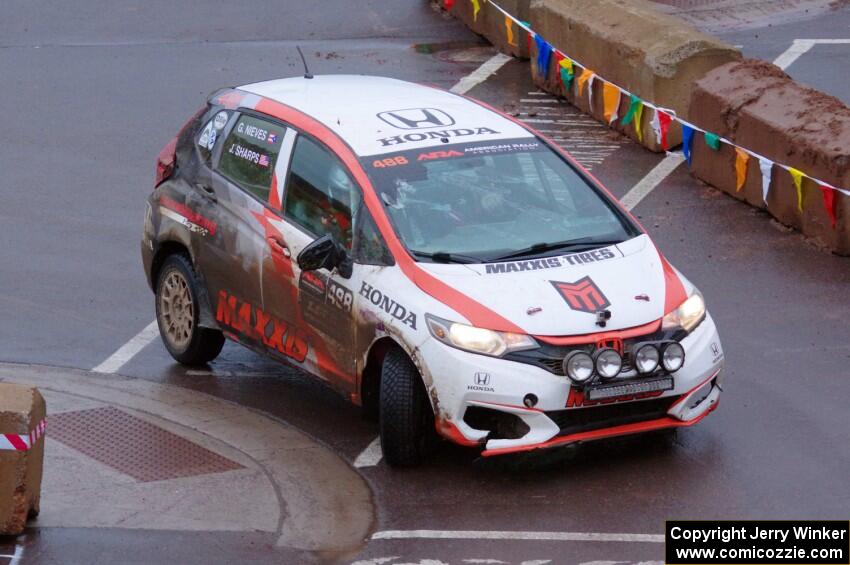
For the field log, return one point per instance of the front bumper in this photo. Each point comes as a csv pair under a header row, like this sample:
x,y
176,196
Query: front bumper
x,y
469,390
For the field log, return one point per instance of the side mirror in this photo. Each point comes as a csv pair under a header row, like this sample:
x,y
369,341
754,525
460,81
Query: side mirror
x,y
325,253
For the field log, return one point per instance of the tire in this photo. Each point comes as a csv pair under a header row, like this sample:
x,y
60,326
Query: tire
x,y
177,313
406,420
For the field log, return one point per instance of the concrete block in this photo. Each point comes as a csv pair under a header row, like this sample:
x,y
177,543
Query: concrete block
x,y
630,43
757,106
22,411
490,23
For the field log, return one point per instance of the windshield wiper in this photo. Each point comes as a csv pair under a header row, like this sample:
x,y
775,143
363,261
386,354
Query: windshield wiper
x,y
444,257
580,243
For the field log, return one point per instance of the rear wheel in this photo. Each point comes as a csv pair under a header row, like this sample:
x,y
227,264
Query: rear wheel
x,y
406,420
177,313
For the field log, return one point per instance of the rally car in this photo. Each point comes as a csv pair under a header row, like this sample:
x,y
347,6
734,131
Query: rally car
x,y
435,261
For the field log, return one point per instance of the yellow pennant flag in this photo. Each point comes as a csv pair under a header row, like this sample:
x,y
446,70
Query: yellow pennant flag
x,y
741,160
639,122
509,25
475,9
798,184
582,80
611,100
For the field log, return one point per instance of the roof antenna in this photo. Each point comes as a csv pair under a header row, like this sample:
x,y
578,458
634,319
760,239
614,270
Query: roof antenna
x,y
307,73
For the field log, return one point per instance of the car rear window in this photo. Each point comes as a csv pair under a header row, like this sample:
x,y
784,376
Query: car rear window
x,y
249,154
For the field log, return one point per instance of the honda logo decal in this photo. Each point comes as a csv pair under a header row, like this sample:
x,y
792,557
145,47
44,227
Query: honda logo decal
x,y
482,379
582,295
417,118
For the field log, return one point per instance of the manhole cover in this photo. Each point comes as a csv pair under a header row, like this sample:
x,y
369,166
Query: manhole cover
x,y
133,446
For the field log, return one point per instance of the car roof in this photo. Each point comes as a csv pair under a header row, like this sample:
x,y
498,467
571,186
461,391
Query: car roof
x,y
378,115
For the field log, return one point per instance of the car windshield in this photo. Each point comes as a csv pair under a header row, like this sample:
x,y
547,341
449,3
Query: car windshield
x,y
484,202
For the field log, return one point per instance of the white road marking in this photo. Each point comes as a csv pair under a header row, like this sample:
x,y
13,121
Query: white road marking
x,y
482,73
504,535
651,180
802,46
129,350
370,456
19,552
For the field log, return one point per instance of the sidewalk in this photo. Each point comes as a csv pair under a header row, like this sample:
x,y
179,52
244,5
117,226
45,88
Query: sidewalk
x,y
130,453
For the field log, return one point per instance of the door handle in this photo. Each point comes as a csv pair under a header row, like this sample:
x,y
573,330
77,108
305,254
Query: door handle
x,y
208,191
278,246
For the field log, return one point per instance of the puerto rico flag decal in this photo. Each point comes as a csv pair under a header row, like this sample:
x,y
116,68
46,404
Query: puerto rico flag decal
x,y
582,295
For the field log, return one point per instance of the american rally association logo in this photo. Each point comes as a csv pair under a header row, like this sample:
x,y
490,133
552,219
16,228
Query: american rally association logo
x,y
582,295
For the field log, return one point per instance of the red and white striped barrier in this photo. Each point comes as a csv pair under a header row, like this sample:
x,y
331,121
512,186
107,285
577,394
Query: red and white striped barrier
x,y
18,442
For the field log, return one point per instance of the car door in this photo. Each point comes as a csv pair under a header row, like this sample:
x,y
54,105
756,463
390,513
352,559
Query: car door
x,y
317,199
244,159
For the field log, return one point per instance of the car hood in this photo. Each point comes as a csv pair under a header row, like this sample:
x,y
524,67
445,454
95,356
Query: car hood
x,y
560,295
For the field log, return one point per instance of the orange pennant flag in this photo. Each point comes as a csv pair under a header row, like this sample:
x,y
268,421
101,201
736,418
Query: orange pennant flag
x,y
611,100
741,160
798,184
509,25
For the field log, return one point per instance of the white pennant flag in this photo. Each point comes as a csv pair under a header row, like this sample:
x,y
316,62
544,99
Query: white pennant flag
x,y
656,127
590,91
766,166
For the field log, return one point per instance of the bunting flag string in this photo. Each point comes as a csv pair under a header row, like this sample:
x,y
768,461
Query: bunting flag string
x,y
687,140
742,158
663,116
611,95
766,166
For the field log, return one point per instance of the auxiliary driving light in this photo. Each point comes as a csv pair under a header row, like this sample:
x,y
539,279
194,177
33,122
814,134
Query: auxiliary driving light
x,y
647,359
578,366
608,363
673,357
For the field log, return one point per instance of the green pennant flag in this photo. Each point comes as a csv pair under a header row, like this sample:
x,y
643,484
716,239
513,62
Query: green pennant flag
x,y
567,73
712,140
634,104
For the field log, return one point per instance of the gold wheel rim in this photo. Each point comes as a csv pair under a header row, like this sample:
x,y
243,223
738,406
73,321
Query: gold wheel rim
x,y
177,310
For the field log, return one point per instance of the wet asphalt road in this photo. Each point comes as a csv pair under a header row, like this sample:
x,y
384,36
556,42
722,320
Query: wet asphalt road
x,y
92,94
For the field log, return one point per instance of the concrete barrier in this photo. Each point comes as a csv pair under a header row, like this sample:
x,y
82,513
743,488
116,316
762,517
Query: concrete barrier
x,y
490,23
757,106
22,413
628,42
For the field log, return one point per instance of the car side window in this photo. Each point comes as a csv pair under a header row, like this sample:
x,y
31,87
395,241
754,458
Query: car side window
x,y
320,195
249,154
369,245
210,133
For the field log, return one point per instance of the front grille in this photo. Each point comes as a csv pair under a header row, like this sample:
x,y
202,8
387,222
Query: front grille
x,y
501,425
605,416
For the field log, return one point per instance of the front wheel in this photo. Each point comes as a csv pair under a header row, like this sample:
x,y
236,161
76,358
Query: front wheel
x,y
177,313
406,420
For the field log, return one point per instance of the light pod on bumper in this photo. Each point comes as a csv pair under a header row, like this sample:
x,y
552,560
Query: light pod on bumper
x,y
647,358
673,356
608,363
578,366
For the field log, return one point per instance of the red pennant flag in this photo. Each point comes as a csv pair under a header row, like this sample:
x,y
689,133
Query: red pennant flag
x,y
661,125
829,202
447,4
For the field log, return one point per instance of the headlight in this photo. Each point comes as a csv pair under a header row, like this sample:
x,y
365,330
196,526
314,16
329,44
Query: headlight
x,y
646,359
477,340
608,363
578,366
673,357
687,316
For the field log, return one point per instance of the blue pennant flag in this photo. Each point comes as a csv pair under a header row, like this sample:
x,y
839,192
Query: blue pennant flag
x,y
544,53
687,137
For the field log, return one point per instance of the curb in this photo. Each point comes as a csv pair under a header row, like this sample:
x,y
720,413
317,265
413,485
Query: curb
x,y
325,505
